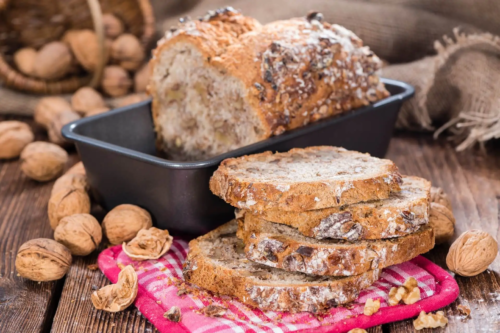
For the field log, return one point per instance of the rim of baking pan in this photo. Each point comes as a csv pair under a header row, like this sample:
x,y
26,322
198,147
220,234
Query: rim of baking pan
x,y
68,132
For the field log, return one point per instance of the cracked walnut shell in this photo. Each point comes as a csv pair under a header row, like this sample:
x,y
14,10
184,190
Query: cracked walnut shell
x,y
43,161
441,219
14,137
119,296
67,202
80,233
43,259
123,223
440,197
430,320
149,243
472,253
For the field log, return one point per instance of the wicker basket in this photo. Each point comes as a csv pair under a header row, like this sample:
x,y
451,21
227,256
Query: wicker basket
x,y
33,23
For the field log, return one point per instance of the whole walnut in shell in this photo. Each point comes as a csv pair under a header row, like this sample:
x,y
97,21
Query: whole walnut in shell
x,y
123,223
14,136
70,180
43,161
113,26
85,47
80,233
48,107
141,79
86,99
149,243
127,51
25,60
115,81
441,219
56,125
472,253
78,169
53,61
130,99
119,296
438,196
66,202
43,259
97,111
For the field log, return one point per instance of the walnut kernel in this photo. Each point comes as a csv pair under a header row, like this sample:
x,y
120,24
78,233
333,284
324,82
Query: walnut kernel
x,y
409,293
396,295
430,320
371,307
80,233
127,51
48,107
115,81
464,310
119,296
472,253
67,202
149,243
113,26
440,197
25,60
43,161
14,137
43,259
53,61
123,223
56,125
441,219
357,330
86,99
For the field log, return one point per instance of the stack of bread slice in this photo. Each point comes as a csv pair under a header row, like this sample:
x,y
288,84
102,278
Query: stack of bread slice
x,y
313,228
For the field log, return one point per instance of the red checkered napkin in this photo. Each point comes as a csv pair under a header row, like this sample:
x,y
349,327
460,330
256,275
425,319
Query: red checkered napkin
x,y
159,280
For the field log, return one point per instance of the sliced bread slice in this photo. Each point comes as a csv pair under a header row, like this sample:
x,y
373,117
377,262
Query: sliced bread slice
x,y
281,246
401,214
216,262
304,179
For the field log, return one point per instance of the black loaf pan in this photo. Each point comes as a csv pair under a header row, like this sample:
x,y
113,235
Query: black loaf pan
x,y
118,151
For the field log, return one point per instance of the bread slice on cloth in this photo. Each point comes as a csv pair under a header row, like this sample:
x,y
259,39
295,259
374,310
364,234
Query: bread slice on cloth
x,y
401,214
304,179
216,262
281,246
226,81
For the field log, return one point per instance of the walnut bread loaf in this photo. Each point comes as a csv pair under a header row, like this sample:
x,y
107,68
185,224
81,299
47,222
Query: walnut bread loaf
x,y
281,246
226,81
399,215
216,262
304,179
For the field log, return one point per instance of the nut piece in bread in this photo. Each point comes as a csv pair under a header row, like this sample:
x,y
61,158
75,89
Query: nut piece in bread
x,y
226,81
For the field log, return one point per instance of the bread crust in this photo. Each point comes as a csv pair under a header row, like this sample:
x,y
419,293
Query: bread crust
x,y
294,72
256,195
205,272
374,220
329,258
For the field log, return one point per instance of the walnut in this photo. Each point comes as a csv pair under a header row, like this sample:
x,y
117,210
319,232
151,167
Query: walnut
x,y
174,314
357,330
438,196
86,99
119,296
115,81
441,219
85,47
70,180
56,125
149,243
80,233
25,60
14,136
472,253
53,61
430,320
127,51
130,99
409,293
213,311
43,161
123,223
141,79
67,202
43,259
396,295
48,107
371,307
77,169
97,111
113,26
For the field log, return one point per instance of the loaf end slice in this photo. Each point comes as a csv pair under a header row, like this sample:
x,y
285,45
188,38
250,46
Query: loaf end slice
x,y
217,262
304,179
283,247
401,214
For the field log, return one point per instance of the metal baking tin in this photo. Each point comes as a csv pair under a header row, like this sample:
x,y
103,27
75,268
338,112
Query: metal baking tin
x,y
118,151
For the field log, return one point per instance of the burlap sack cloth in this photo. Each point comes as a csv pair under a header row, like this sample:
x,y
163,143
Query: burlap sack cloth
x,y
454,77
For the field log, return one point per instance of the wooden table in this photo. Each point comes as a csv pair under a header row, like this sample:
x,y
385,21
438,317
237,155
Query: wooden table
x,y
472,180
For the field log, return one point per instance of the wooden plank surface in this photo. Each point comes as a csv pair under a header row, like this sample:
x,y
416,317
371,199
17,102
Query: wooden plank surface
x,y
471,180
